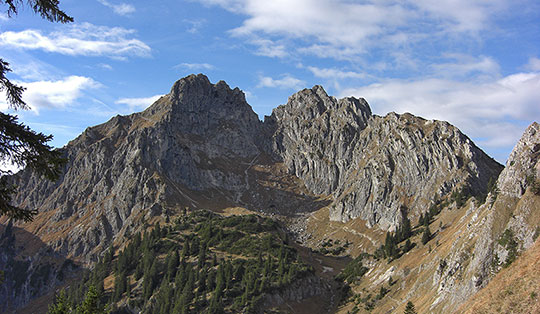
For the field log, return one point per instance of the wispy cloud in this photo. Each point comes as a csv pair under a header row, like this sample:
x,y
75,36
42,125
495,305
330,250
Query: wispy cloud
x,y
195,25
53,94
534,64
333,73
79,39
194,66
30,68
269,48
460,65
343,29
105,66
286,82
138,103
120,9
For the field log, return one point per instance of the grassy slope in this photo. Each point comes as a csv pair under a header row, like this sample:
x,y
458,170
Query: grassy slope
x,y
514,290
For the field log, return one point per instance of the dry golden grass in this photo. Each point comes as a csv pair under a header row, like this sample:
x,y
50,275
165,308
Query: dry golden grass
x,y
514,290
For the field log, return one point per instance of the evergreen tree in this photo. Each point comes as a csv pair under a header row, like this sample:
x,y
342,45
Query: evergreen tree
x,y
239,272
426,236
61,304
228,272
408,246
220,282
181,306
120,284
215,306
18,143
406,230
150,280
211,280
172,264
427,219
202,254
186,249
187,292
128,287
263,285
409,308
138,271
91,303
390,246
181,278
202,281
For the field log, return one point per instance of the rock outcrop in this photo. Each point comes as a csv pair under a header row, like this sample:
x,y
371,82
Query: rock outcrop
x,y
523,166
371,165
494,233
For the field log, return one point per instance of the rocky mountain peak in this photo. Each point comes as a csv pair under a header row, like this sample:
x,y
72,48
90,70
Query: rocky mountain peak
x,y
195,92
523,163
311,103
196,106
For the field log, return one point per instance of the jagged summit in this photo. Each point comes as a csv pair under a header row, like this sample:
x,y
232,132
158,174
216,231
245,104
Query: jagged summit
x,y
196,106
196,93
312,102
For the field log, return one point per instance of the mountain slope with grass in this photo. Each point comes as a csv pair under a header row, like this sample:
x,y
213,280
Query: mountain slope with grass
x,y
413,204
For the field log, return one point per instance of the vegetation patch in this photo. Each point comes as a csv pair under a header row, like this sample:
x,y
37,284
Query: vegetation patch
x,y
203,263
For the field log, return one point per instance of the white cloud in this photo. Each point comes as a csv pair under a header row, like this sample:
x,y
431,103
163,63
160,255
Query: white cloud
x,y
4,17
138,103
30,68
492,111
286,82
105,66
269,48
464,65
120,9
195,66
344,29
534,64
332,73
461,15
53,94
79,39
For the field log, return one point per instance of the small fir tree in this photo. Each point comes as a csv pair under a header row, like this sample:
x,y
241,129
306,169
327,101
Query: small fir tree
x,y
409,308
426,236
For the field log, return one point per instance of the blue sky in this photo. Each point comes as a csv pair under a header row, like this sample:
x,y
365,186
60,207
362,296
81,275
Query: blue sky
x,y
474,63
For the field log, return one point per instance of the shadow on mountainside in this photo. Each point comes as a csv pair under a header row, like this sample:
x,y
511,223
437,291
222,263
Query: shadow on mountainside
x,y
31,269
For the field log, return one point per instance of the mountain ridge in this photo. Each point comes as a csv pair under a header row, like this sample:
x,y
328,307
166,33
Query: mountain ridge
x,y
202,146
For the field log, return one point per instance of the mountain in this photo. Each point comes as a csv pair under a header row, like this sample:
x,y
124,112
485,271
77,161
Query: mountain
x,y
335,175
469,246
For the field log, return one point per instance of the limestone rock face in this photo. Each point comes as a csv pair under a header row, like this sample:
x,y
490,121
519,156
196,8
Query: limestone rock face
x,y
523,163
511,211
373,165
143,164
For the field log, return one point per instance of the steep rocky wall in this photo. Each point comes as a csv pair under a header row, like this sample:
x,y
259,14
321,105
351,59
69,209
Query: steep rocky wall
x,y
136,166
373,165
481,250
